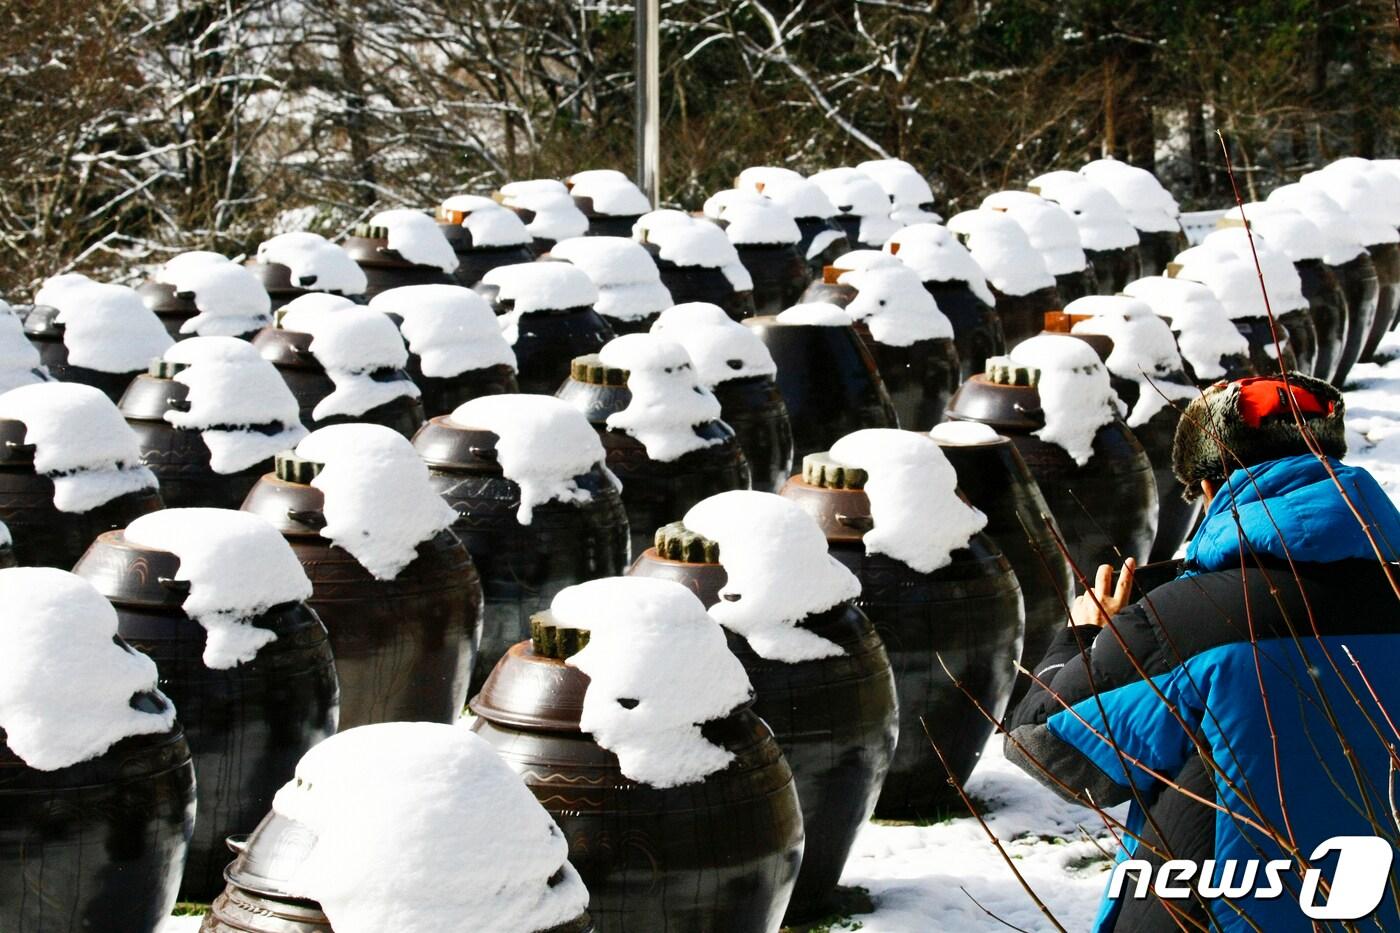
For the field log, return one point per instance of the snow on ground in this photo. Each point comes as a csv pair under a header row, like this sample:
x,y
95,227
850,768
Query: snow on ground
x,y
923,879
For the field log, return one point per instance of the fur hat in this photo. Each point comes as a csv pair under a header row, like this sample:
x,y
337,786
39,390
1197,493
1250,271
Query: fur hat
x,y
1248,421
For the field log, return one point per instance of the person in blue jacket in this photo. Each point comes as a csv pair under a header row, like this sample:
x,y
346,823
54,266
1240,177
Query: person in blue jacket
x,y
1248,708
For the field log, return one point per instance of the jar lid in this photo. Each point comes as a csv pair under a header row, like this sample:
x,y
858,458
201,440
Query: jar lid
x,y
679,543
293,469
820,470
165,369
591,370
555,641
370,231
1002,371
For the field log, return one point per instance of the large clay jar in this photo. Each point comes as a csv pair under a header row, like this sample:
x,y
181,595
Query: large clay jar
x,y
953,637
1022,316
1264,352
385,268
521,566
290,352
247,726
834,243
1075,285
547,341
98,845
1386,258
277,279
261,893
836,719
1327,306
994,478
403,647
1106,509
1362,288
710,284
173,308
1302,338
1114,268
829,381
654,492
779,274
754,408
44,536
977,332
1157,248
718,854
179,457
475,260
46,334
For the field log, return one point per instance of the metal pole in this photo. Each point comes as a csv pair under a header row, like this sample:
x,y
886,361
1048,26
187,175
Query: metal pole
x,y
649,98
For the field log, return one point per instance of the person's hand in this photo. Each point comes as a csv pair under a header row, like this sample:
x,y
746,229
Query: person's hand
x,y
1105,601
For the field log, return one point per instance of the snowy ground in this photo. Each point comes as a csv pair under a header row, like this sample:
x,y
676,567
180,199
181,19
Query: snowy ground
x,y
924,879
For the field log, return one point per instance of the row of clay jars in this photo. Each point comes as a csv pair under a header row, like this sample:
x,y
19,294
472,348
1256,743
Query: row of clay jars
x,y
1361,287
549,339
702,283
404,648
920,377
1386,258
1327,307
836,718
98,845
1106,509
246,726
653,492
722,853
952,637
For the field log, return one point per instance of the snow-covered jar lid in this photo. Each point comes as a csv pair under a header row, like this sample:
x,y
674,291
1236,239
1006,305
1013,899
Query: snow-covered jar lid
x,y
778,571
720,348
451,329
1285,228
1049,227
81,443
652,641
235,399
106,328
799,196
686,241
546,207
399,826
1002,250
911,198
934,252
378,502
487,224
890,299
815,314
314,263
353,344
1150,206
68,684
628,282
856,194
1366,202
1204,332
1076,396
1144,351
409,236
1102,221
607,192
750,219
1381,180
1341,231
1225,262
229,297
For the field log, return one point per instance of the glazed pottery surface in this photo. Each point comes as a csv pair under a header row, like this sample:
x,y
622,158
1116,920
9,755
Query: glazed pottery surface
x,y
1327,306
754,407
702,283
1157,248
1361,286
976,327
1023,316
384,268
1115,268
779,275
813,227
1386,257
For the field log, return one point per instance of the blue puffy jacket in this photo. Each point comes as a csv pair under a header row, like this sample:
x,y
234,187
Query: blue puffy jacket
x,y
1173,706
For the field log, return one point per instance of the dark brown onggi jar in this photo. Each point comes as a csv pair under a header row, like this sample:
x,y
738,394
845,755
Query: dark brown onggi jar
x,y
836,719
548,340
386,268
46,334
1302,338
779,274
1327,306
654,492
1075,285
834,243
1157,248
754,408
178,456
98,845
276,278
473,260
403,647
977,332
953,638
718,854
1107,508
1022,315
1361,286
828,379
290,352
994,478
1264,354
173,308
522,567
703,283
43,535
247,726
260,896
1115,268
1386,258
439,395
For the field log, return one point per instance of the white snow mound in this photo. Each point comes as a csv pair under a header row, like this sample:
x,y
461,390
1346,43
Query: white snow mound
x,y
351,342
720,347
1049,227
1204,331
1150,207
613,193
105,327
19,359
451,329
1002,250
691,241
935,253
1102,221
815,314
668,399
652,642
1284,228
230,298
417,238
490,224
1075,393
556,217
628,282
795,194
856,194
1340,229
891,300
752,220
315,263
1144,351
964,434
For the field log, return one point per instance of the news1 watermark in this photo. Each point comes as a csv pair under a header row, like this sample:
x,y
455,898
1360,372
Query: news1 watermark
x,y
1353,890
